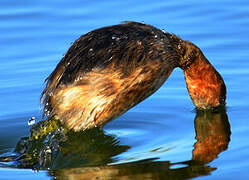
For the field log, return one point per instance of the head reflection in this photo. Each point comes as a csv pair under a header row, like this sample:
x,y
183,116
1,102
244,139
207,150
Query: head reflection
x,y
212,130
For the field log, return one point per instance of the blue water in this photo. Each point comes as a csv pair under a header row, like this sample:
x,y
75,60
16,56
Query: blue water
x,y
34,35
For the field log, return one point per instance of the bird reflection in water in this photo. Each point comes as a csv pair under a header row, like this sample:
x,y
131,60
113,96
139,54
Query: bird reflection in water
x,y
212,130
88,154
212,134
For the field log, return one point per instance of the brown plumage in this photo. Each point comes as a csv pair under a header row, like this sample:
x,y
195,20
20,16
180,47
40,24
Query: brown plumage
x,y
109,70
205,85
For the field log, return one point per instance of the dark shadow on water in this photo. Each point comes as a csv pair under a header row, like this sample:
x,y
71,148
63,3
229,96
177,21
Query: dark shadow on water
x,y
86,155
61,149
147,169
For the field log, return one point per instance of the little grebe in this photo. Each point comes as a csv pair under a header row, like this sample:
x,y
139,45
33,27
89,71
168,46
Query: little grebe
x,y
109,70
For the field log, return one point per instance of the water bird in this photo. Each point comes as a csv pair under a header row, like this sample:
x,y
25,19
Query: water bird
x,y
109,70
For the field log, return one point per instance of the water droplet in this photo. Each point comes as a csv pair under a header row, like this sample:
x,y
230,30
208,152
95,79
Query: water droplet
x,y
115,38
155,36
48,150
110,59
31,121
91,52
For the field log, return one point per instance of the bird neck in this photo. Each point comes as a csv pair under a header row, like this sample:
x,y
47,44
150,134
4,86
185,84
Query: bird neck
x,y
205,85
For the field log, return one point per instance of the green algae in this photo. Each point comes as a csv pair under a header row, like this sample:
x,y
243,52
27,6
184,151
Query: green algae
x,y
45,127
